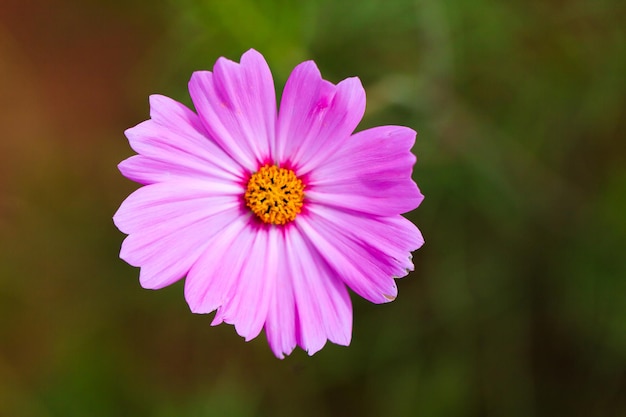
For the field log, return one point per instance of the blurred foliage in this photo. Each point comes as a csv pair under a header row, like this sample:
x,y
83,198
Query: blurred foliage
x,y
517,306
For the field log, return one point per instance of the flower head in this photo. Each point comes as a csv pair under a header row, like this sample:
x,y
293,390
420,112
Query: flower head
x,y
270,214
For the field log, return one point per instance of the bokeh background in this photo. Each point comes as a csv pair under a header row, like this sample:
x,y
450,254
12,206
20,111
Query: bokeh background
x,y
517,306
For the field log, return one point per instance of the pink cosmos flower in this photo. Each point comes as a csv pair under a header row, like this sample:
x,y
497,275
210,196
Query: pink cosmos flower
x,y
270,214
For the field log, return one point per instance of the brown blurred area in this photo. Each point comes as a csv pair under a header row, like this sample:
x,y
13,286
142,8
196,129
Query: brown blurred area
x,y
76,60
65,80
66,71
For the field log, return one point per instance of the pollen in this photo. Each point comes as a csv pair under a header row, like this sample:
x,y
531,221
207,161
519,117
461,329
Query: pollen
x,y
275,194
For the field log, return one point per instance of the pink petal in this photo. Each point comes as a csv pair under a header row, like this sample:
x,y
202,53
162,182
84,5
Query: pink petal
x,y
310,306
248,303
280,326
371,173
169,224
157,205
212,279
146,170
323,302
165,153
175,116
176,129
316,117
358,261
393,238
237,105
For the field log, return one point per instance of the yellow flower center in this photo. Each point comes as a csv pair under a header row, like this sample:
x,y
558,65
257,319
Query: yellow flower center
x,y
275,194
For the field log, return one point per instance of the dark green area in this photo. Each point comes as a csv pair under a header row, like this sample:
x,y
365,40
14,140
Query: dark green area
x,y
517,306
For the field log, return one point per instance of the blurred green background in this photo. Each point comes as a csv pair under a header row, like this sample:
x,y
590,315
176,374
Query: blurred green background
x,y
517,306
